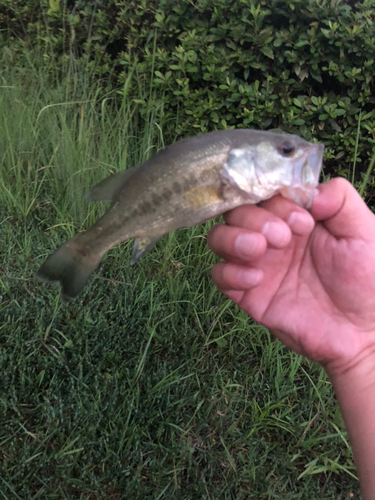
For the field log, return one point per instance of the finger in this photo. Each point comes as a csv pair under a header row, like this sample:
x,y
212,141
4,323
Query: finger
x,y
235,296
233,243
298,219
342,210
229,276
276,219
259,220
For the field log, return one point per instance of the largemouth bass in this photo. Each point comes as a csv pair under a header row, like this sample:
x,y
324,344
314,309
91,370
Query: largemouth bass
x,y
189,182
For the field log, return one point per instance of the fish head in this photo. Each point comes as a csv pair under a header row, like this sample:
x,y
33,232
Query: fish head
x,y
278,163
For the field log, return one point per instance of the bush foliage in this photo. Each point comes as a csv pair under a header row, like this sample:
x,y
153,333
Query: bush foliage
x,y
304,66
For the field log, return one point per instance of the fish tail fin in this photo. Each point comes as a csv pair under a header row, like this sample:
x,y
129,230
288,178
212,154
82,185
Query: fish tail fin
x,y
70,267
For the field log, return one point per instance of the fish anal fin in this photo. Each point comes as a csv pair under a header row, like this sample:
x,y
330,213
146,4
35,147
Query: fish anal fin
x,y
108,187
143,245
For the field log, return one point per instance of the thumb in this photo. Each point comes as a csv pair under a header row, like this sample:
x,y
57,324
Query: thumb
x,y
343,212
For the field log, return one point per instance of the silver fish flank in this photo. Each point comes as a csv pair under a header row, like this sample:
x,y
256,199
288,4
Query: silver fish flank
x,y
187,183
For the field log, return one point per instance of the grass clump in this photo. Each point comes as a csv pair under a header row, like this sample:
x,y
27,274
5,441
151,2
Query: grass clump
x,y
150,385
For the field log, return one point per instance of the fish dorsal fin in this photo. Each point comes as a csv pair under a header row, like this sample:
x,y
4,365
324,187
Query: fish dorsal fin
x,y
107,188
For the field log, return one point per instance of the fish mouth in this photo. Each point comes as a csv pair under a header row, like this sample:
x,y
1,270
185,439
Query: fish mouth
x,y
315,160
306,177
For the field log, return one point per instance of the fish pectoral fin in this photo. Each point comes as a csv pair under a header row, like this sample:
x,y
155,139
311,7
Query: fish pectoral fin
x,y
201,196
108,187
143,245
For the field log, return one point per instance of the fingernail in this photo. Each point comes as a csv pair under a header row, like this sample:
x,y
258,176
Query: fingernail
x,y
301,223
277,234
250,277
245,245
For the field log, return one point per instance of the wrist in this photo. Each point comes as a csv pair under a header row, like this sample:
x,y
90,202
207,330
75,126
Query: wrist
x,y
354,385
358,369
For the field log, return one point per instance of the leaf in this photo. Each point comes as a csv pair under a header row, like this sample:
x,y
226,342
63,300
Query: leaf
x,y
368,115
303,74
221,342
54,6
301,43
316,77
231,44
297,102
267,51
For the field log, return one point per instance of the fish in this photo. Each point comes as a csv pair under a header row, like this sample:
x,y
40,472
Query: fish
x,y
189,182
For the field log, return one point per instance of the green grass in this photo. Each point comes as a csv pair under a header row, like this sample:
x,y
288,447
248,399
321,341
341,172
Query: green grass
x,y
152,385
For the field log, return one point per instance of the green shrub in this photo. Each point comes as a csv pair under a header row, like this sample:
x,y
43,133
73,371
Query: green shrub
x,y
305,67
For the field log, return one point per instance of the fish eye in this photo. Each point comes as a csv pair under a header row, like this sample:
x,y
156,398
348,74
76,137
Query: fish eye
x,y
287,148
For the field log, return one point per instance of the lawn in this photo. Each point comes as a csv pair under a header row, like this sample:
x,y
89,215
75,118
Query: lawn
x,y
152,384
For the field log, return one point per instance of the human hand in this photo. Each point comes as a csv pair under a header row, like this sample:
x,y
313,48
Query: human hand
x,y
310,279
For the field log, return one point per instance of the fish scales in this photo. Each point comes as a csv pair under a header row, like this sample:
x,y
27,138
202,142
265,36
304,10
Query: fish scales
x,y
191,181
156,204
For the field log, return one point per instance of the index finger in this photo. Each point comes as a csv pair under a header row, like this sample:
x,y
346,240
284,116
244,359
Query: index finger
x,y
272,218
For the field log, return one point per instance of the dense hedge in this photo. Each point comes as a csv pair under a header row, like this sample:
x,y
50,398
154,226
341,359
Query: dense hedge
x,y
304,66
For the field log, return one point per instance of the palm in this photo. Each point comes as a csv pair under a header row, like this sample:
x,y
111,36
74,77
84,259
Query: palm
x,y
310,298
